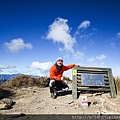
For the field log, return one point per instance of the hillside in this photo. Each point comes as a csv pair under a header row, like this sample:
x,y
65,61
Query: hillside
x,y
6,77
36,100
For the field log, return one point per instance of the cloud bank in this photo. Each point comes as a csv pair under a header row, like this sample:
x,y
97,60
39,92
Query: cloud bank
x,y
6,67
45,66
118,35
59,32
84,25
16,45
99,57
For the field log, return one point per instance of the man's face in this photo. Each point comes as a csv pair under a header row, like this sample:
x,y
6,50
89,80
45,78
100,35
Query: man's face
x,y
60,62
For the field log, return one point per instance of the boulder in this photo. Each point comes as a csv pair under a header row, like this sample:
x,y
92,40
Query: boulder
x,y
6,103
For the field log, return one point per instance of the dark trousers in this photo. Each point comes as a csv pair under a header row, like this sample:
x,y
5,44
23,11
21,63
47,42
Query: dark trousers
x,y
58,85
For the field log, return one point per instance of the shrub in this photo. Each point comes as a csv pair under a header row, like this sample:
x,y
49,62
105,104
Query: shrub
x,y
67,80
28,81
5,93
117,82
25,81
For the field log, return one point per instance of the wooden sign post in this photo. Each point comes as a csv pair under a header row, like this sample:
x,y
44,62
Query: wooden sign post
x,y
92,79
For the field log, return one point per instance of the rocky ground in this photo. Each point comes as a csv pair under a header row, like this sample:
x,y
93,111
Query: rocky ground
x,y
34,100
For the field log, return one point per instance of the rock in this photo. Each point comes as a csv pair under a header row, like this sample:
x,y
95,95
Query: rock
x,y
69,102
96,100
110,107
5,103
106,95
4,93
2,106
96,94
88,95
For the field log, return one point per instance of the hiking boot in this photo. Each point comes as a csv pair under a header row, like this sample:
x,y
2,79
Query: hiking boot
x,y
54,95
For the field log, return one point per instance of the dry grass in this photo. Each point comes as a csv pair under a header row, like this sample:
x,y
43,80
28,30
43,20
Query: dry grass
x,y
4,93
25,81
117,82
22,81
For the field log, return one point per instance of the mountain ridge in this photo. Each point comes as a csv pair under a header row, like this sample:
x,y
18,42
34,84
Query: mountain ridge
x,y
6,77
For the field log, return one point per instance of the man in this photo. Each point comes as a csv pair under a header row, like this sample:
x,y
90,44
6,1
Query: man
x,y
56,78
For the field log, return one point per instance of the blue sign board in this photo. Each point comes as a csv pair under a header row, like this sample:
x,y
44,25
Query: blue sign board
x,y
92,80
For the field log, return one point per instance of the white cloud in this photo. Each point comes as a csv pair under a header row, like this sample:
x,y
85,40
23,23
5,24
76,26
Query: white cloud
x,y
40,66
59,32
118,35
16,45
84,36
91,59
112,45
41,69
7,66
102,64
116,71
84,25
98,64
14,71
1,71
85,47
83,32
68,73
79,55
101,57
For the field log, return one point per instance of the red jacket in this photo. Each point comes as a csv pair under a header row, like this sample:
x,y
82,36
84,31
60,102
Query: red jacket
x,y
57,75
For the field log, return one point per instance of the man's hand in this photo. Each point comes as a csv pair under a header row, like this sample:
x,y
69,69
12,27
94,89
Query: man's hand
x,y
62,78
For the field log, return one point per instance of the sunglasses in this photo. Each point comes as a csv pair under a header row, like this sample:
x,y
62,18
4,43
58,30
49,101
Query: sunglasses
x,y
60,60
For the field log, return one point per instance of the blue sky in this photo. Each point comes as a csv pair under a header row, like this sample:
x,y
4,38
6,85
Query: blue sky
x,y
33,33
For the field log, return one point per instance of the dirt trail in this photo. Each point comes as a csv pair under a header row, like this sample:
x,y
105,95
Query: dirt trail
x,y
34,100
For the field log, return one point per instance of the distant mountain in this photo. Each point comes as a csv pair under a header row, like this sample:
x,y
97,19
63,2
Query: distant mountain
x,y
6,77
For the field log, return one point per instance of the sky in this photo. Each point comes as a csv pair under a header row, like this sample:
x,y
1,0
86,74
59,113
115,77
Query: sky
x,y
34,33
